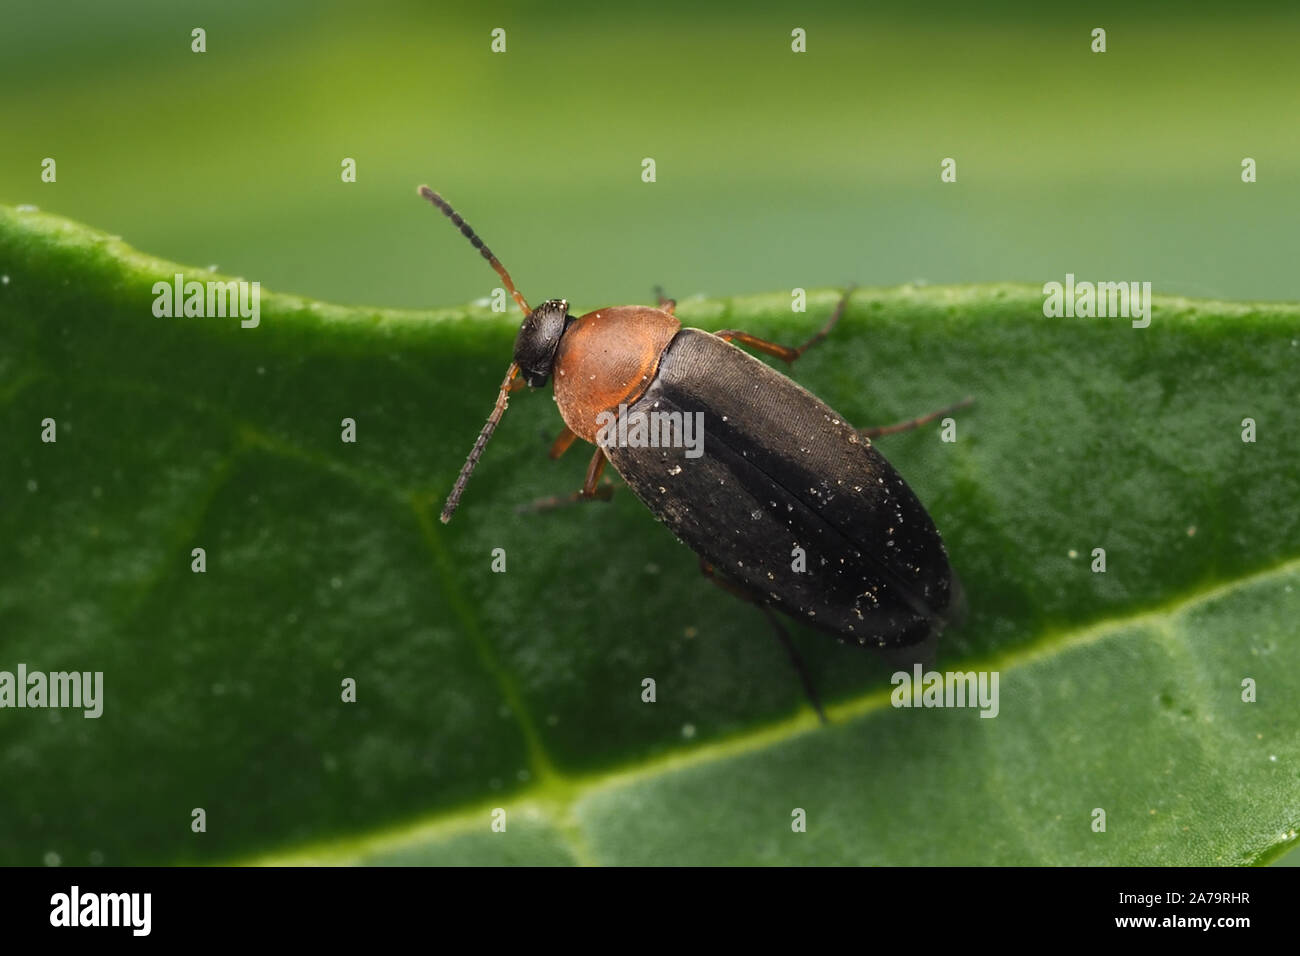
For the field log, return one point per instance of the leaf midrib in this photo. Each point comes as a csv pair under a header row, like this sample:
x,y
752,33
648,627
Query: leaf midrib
x,y
558,795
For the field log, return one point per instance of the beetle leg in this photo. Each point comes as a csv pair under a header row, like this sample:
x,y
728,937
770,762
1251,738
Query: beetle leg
x,y
592,488
516,385
597,465
668,305
784,352
562,442
915,422
782,635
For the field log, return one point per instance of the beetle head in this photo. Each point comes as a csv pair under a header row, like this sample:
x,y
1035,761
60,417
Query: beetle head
x,y
538,339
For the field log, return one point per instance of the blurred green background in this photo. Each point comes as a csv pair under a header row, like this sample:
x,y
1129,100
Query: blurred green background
x,y
774,169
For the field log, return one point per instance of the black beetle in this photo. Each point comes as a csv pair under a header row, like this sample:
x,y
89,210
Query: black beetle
x,y
789,506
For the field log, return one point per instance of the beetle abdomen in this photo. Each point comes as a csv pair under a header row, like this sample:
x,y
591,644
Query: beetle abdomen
x,y
784,497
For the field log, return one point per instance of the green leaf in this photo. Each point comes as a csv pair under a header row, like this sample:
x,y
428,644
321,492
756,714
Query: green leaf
x,y
475,690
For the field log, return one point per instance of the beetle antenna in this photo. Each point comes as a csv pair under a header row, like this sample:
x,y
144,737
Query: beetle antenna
x,y
478,243
476,452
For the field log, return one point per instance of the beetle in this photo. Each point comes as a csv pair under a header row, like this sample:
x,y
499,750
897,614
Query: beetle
x,y
780,475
